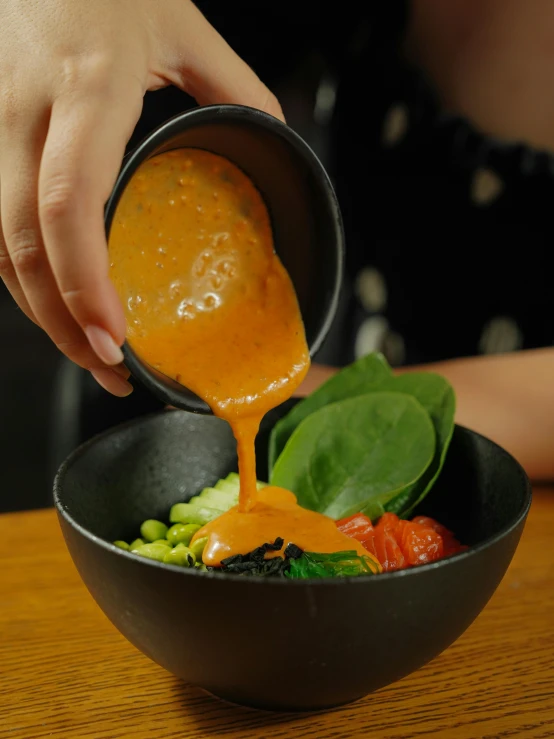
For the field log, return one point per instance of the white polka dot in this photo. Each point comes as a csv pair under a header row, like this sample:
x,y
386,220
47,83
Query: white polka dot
x,y
325,99
486,187
371,335
394,349
501,334
371,290
395,125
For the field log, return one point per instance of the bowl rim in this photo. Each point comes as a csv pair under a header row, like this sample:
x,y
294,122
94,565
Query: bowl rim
x,y
227,112
275,582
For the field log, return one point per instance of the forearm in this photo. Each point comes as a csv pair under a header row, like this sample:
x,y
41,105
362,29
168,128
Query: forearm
x,y
508,398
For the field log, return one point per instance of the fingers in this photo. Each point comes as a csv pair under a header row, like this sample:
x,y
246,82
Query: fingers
x,y
27,272
82,156
26,261
207,68
113,381
9,277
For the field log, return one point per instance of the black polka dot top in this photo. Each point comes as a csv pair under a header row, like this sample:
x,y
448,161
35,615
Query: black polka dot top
x,y
449,232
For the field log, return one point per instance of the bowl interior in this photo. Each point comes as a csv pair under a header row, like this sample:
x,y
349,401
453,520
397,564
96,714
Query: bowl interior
x,y
139,470
306,220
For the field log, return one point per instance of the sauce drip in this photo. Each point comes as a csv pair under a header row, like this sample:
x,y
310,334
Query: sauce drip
x,y
209,304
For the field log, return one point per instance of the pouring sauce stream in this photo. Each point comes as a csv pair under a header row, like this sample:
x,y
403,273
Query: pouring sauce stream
x,y
209,304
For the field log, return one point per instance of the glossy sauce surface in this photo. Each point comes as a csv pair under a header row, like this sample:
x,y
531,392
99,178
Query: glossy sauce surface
x,y
275,512
209,304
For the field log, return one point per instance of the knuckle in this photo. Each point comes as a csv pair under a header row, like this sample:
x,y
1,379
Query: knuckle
x,y
94,70
6,265
25,250
9,107
20,95
75,299
57,200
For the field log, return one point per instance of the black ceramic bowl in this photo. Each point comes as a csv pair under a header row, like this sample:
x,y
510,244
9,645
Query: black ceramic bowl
x,y
278,644
305,216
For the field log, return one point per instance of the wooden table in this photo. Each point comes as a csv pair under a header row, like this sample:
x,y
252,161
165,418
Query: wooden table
x,y
66,672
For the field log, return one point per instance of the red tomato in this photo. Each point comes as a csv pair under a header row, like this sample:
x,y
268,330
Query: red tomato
x,y
387,550
451,544
421,544
359,527
356,526
388,521
430,523
398,543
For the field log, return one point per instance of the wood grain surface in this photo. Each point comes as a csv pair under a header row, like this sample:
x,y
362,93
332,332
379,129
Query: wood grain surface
x,y
65,672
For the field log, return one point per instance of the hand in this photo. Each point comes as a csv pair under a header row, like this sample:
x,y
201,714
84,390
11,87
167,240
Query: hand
x,y
72,81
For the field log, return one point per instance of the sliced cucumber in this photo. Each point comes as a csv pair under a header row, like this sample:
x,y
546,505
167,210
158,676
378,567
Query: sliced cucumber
x,y
200,502
218,498
226,487
210,503
188,513
234,478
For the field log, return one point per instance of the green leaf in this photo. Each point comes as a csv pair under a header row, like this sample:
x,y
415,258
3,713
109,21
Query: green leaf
x,y
359,378
372,374
357,454
437,396
336,564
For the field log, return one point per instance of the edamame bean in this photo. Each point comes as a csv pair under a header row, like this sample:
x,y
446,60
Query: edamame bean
x,y
180,556
182,533
197,547
178,512
121,545
153,551
165,542
136,544
151,530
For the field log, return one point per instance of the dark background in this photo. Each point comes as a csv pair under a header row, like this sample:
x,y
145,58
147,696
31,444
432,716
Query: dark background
x,y
463,276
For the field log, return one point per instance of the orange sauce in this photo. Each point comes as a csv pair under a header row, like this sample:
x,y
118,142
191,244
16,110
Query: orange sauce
x,y
209,304
274,514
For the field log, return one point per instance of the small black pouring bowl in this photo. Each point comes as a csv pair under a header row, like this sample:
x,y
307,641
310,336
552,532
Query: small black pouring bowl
x,y
271,643
305,216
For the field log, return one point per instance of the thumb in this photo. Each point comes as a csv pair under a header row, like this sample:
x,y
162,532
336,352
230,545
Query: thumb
x,y
203,64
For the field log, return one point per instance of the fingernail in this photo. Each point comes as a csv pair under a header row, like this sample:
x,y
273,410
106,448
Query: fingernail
x,y
112,382
103,344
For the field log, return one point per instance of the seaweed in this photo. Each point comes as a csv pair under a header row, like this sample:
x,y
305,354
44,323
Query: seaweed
x,y
295,563
255,562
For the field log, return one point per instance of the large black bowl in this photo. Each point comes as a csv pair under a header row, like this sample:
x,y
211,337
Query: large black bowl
x,y
278,644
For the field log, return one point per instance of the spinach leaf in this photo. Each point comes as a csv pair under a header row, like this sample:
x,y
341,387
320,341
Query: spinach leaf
x,y
372,374
437,396
357,454
359,378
